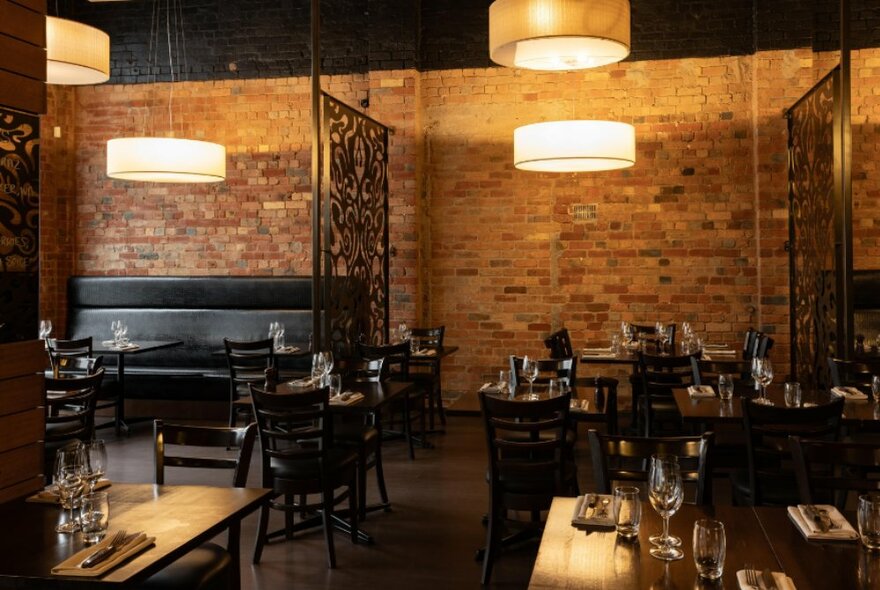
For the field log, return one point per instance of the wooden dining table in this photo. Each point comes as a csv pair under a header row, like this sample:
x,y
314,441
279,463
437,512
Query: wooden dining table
x,y
179,517
583,558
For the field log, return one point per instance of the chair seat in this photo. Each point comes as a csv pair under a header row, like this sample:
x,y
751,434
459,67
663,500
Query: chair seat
x,y
355,434
206,567
781,491
59,429
307,474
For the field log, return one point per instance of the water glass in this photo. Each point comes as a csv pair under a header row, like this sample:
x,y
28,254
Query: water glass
x,y
725,386
710,547
615,343
94,516
869,520
627,511
875,387
793,397
68,477
95,459
335,384
554,388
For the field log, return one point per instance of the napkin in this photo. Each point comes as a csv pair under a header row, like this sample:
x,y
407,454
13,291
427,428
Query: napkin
x,y
50,496
129,346
601,353
595,350
783,582
584,515
849,393
720,351
580,405
288,349
346,398
303,382
425,352
108,342
701,391
71,565
493,387
841,530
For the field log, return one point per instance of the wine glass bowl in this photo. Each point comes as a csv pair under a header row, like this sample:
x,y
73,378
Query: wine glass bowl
x,y
95,462
875,387
45,329
666,493
69,480
762,373
530,371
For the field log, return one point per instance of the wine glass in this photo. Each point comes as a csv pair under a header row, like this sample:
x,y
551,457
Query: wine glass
x,y
757,369
662,336
95,457
666,494
68,479
530,371
114,329
45,329
875,387
318,361
766,379
328,365
402,331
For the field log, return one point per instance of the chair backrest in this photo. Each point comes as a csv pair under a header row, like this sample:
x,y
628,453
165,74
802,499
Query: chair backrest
x,y
430,337
707,372
767,431
763,344
827,471
605,389
248,361
853,373
70,407
559,344
526,446
748,349
360,370
670,329
241,440
659,375
396,358
63,354
562,369
627,458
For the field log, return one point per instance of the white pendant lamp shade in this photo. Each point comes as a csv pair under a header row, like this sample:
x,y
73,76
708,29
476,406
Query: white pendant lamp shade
x,y
165,159
558,34
76,54
574,146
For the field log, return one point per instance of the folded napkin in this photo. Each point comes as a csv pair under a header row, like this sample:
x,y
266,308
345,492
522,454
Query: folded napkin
x,y
782,581
108,342
288,349
700,391
720,351
346,398
840,530
580,405
599,354
303,382
599,349
600,514
49,495
72,565
425,352
849,393
493,387
129,346
715,346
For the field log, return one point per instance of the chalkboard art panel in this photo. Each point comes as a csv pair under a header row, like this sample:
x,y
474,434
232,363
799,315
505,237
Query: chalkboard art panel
x,y
18,306
19,192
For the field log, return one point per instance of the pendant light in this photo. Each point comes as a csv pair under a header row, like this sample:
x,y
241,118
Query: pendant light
x,y
574,146
558,34
76,54
166,159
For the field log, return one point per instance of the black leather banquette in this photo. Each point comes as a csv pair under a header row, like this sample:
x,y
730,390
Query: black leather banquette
x,y
199,311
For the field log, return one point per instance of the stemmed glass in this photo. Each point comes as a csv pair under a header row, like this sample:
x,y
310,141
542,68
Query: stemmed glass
x,y
318,372
628,332
69,479
762,373
45,329
663,336
328,366
402,332
530,371
95,458
666,494
875,387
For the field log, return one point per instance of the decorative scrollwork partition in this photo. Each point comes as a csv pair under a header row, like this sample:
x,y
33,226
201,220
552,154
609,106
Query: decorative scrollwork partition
x,y
355,178
811,231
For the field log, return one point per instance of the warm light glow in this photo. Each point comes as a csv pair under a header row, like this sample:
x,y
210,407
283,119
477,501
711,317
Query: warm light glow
x,y
76,53
558,34
165,159
574,146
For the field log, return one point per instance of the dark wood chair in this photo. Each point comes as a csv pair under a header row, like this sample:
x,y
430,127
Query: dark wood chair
x,y
763,344
605,390
248,361
70,412
652,330
428,371
209,565
300,460
706,372
60,349
562,369
627,459
559,345
769,478
526,442
853,373
828,471
659,375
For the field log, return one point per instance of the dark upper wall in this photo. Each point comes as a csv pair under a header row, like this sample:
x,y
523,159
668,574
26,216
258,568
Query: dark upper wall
x,y
270,38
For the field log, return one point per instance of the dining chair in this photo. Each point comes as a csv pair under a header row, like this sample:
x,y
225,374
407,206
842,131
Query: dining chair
x,y
853,373
605,395
300,460
209,565
70,412
763,344
769,478
247,361
527,465
827,471
427,371
659,375
562,369
396,366
650,330
706,372
748,348
361,433
559,344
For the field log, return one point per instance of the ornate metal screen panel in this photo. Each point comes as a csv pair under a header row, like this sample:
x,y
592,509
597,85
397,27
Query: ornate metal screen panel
x,y
355,178
811,231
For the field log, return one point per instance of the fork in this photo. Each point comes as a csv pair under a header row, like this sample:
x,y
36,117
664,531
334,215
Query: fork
x,y
105,552
751,575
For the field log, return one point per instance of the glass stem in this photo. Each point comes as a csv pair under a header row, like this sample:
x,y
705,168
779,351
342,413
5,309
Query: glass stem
x,y
665,538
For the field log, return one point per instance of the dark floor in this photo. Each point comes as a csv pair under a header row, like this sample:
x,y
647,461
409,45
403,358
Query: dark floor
x,y
427,541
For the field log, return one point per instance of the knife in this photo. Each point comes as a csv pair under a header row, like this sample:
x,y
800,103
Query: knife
x,y
817,518
767,579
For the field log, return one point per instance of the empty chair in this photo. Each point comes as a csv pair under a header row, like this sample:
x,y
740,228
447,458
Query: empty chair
x,y
770,478
652,330
300,460
763,344
627,459
853,373
605,396
70,412
208,566
827,471
559,345
561,369
60,350
248,361
748,349
527,463
706,372
427,371
659,375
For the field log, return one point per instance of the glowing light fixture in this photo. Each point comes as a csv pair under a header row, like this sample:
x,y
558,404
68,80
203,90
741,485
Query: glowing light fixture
x,y
574,146
165,159
76,54
558,34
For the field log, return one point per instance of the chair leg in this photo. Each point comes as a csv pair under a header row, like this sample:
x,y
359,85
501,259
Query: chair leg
x,y
422,432
407,427
361,489
491,549
353,509
288,514
380,475
327,514
440,411
261,532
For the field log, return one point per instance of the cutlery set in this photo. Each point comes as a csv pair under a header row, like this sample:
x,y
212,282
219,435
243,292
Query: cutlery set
x,y
820,517
762,580
117,543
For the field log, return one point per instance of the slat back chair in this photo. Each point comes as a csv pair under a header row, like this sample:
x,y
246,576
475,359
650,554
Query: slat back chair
x,y
627,459
559,344
763,344
652,330
428,371
853,373
659,375
748,349
299,459
770,475
247,361
706,372
428,337
828,471
562,369
605,389
526,444
68,349
360,370
70,411
396,357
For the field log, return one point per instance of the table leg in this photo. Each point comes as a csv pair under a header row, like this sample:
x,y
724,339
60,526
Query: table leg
x,y
121,426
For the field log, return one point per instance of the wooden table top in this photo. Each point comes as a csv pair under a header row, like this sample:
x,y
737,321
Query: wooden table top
x,y
594,558
375,395
180,517
143,346
441,353
592,411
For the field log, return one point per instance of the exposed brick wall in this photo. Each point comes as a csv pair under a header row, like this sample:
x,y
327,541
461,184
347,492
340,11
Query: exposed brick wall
x,y
866,169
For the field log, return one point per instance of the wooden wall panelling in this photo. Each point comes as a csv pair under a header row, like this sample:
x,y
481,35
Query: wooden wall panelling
x,y
23,55
23,23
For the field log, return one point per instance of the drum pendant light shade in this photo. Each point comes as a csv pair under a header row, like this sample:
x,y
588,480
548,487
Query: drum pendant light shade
x,y
558,34
165,159
574,146
76,54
